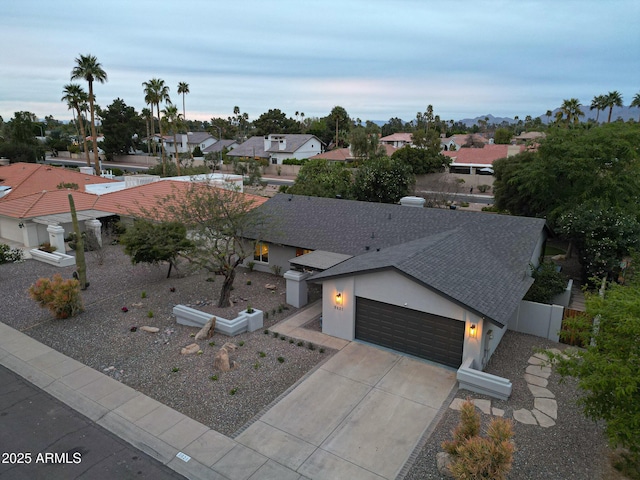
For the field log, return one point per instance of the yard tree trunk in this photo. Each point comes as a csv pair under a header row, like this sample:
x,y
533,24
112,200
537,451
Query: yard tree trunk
x,y
227,285
80,262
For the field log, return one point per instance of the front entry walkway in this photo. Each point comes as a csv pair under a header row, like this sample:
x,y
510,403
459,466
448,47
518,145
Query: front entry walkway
x,y
359,416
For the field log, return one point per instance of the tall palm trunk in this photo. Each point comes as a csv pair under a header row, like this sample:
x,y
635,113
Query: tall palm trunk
x,y
84,138
175,144
164,161
94,137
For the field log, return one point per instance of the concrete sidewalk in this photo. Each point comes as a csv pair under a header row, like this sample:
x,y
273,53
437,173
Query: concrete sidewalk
x,y
360,415
184,445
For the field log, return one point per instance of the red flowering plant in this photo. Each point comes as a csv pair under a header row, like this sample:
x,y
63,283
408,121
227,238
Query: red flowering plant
x,y
60,296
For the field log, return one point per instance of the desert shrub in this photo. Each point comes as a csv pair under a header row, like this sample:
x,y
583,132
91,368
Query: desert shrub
x,y
484,188
9,255
60,296
548,282
476,457
276,269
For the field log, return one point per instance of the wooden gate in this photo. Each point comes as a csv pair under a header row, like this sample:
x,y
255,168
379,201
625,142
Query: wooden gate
x,y
575,324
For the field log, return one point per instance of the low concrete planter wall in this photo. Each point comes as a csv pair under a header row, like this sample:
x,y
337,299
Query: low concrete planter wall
x,y
484,383
242,323
55,258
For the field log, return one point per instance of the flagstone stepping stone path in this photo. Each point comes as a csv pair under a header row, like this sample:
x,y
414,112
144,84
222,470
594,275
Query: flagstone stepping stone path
x,y
545,407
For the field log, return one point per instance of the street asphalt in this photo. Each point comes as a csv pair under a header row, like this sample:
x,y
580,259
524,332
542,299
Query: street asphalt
x,y
42,438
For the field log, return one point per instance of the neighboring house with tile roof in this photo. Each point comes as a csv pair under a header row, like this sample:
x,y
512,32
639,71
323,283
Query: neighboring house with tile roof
x,y
397,140
410,279
278,147
220,145
346,155
34,203
479,160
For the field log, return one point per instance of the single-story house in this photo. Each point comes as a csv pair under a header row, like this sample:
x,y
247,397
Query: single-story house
x,y
397,140
220,145
278,147
479,161
346,155
437,284
34,203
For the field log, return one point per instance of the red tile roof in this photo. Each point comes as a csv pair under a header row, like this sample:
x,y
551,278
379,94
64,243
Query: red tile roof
x,y
130,201
345,155
479,156
398,137
46,203
136,200
27,178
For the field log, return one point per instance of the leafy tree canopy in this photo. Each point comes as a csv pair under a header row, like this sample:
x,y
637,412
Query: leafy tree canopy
x,y
608,369
502,136
320,178
383,180
148,242
422,160
275,121
120,123
548,283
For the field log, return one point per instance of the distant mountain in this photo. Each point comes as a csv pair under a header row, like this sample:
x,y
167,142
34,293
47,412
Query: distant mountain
x,y
626,113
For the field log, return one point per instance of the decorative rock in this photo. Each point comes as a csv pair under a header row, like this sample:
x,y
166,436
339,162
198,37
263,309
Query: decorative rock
x,y
534,380
543,372
483,405
540,392
150,329
524,416
139,304
270,286
497,412
189,349
547,406
543,419
456,404
221,361
230,347
206,332
443,461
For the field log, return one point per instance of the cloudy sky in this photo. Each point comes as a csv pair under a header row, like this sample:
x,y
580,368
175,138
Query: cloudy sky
x,y
376,58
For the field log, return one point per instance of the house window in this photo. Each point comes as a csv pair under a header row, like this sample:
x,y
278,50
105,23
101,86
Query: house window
x,y
302,251
261,253
274,161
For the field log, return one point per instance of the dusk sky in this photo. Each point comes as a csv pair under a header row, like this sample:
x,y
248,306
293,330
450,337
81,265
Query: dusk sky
x,y
377,59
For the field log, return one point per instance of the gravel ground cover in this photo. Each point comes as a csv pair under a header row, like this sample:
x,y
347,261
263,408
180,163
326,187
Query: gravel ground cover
x,y
102,337
575,448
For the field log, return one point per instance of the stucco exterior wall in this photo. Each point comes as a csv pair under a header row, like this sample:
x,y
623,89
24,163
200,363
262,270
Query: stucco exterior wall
x,y
278,255
396,289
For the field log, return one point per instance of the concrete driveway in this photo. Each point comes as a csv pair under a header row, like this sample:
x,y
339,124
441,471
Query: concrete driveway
x,y
359,416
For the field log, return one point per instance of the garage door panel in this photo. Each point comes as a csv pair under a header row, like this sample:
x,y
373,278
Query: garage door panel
x,y
424,335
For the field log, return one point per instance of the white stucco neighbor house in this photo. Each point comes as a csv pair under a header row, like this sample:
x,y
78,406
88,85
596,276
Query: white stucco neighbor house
x,y
186,142
278,147
437,284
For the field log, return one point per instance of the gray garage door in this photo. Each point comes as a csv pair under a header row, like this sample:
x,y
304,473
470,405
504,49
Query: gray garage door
x,y
424,335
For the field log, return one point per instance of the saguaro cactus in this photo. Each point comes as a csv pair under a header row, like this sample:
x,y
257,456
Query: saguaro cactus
x,y
80,262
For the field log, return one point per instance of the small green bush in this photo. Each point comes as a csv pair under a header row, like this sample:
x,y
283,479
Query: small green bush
x,y
281,359
548,282
262,354
251,265
47,247
233,391
248,282
61,297
150,314
484,188
143,294
212,344
241,343
311,346
175,369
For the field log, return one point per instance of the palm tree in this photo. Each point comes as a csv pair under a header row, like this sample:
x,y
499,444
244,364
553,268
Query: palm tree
x,y
76,99
155,92
173,120
88,68
612,99
636,102
571,109
146,114
548,115
598,104
183,89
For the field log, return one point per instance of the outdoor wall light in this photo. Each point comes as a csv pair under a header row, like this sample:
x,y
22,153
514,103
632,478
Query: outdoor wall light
x,y
472,330
339,298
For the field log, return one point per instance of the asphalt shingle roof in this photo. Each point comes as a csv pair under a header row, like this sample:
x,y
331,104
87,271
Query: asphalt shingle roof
x,y
477,259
